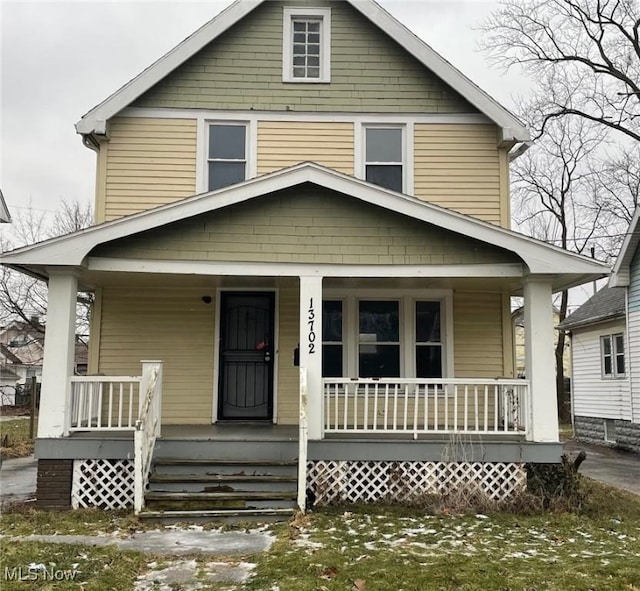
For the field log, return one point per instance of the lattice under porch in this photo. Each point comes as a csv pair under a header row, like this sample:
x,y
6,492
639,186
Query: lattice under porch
x,y
107,484
408,482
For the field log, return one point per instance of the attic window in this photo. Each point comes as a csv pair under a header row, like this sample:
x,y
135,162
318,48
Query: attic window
x,y
306,45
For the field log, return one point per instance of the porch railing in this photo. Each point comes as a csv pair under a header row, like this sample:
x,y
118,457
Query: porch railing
x,y
147,428
100,403
425,406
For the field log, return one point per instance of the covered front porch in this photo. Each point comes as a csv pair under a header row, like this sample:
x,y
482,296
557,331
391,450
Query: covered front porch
x,y
311,300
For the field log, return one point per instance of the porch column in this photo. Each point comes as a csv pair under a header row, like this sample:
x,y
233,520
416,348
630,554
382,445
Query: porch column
x,y
540,360
59,352
311,350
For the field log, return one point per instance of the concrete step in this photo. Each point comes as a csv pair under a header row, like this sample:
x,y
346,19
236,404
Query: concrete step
x,y
220,496
232,449
211,466
219,516
220,482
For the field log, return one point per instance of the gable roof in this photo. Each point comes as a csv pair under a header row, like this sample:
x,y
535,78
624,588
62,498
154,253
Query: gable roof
x,y
95,120
606,304
5,216
620,276
540,258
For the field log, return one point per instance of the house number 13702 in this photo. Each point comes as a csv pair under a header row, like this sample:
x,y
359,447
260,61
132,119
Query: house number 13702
x,y
311,319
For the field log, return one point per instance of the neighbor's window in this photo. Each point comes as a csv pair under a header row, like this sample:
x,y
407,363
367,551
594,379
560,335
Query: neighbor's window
x,y
332,339
227,154
612,353
306,50
379,339
384,157
428,340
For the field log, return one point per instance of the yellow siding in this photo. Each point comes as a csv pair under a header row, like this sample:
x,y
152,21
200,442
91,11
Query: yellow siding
x,y
458,166
282,144
303,225
477,328
288,337
150,162
169,324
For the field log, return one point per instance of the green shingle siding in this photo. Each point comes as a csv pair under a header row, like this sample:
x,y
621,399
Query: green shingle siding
x,y
306,225
242,69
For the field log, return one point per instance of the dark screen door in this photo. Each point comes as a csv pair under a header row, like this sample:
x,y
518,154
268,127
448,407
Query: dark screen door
x,y
246,356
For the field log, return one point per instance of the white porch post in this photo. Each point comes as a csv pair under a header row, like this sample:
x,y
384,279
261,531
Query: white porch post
x,y
540,360
311,350
59,352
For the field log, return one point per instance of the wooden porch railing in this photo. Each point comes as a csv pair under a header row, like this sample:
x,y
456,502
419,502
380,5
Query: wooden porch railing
x,y
147,428
424,406
103,403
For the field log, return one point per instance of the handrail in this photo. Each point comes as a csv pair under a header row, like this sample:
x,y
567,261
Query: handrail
x,y
147,428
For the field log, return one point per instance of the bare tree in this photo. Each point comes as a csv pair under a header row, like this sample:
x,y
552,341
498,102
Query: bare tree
x,y
590,48
23,297
552,182
615,187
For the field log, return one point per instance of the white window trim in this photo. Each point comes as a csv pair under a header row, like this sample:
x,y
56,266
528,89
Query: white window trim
x,y
202,149
407,299
614,375
323,14
360,153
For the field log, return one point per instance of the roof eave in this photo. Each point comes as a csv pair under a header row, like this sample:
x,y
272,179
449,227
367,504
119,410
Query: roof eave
x,y
621,272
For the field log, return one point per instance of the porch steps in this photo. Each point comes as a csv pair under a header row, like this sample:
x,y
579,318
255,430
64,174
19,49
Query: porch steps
x,y
221,489
226,516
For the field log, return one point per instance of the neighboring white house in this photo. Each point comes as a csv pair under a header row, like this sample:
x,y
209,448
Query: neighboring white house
x,y
605,334
601,401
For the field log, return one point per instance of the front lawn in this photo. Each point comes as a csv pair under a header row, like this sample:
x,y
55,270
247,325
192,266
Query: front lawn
x,y
14,438
377,549
368,549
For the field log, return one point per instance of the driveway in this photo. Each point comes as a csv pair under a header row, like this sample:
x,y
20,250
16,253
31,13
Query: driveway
x,y
18,480
611,466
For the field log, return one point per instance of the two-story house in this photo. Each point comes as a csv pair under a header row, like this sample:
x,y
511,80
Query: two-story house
x,y
302,220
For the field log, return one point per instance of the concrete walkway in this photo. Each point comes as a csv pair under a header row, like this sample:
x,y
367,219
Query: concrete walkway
x,y
175,542
610,466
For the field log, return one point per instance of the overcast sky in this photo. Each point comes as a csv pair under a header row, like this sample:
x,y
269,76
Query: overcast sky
x,y
59,59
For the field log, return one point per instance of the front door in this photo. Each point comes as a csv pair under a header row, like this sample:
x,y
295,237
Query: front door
x,y
246,356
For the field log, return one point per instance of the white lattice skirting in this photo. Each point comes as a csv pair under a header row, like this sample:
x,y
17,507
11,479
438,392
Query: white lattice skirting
x,y
107,484
366,482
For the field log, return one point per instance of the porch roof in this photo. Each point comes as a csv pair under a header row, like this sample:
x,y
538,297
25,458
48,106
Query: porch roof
x,y
565,269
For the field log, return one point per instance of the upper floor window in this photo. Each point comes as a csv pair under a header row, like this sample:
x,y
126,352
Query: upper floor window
x,y
384,157
612,356
306,48
226,155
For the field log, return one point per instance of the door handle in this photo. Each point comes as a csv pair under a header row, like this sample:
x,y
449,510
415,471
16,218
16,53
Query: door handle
x,y
267,356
